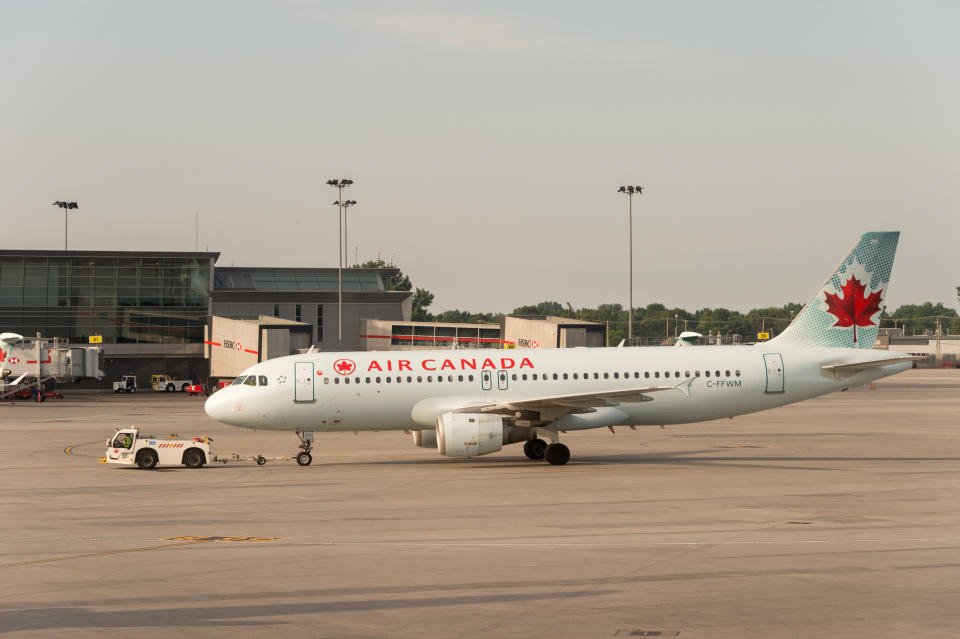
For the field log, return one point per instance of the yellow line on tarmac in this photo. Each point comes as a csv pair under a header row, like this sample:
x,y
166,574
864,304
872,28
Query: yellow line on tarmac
x,y
69,449
103,554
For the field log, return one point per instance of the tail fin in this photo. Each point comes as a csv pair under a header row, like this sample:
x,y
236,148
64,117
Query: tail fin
x,y
845,311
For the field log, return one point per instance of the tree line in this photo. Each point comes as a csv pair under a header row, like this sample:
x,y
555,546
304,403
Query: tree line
x,y
655,321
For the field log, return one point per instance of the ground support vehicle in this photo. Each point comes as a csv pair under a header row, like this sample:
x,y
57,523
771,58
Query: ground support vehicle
x,y
129,447
127,383
194,389
163,382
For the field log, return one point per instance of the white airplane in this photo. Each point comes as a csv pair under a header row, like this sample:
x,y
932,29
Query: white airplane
x,y
473,402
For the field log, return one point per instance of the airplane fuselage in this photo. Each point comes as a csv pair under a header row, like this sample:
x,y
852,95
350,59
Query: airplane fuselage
x,y
399,390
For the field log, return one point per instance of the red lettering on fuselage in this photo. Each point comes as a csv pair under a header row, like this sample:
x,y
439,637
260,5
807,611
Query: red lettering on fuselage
x,y
431,364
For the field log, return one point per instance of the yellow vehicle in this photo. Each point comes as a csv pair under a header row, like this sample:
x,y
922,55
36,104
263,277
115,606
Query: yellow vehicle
x,y
163,382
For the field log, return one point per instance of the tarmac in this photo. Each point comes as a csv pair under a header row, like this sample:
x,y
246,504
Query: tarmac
x,y
835,517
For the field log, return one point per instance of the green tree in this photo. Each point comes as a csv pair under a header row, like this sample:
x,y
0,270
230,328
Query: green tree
x,y
917,318
422,298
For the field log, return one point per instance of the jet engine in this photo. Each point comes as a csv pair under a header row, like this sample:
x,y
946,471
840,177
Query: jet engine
x,y
472,434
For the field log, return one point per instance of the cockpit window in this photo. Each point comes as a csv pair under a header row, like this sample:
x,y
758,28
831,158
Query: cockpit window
x,y
239,380
263,380
251,381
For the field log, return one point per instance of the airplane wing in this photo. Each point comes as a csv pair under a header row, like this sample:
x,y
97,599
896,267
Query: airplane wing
x,y
558,405
842,371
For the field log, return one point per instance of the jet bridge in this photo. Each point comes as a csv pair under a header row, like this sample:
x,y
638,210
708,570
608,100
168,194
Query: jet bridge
x,y
41,359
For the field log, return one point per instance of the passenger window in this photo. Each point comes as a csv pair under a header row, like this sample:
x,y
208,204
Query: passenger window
x,y
514,377
575,376
356,379
686,373
368,380
449,378
410,379
346,380
378,380
326,380
565,376
727,373
676,373
263,380
336,380
596,375
647,375
439,378
696,373
388,379
251,381
616,375
524,376
636,375
460,378
657,374
555,376
737,373
534,376
470,378
717,374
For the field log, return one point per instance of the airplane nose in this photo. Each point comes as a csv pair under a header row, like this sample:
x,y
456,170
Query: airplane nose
x,y
216,406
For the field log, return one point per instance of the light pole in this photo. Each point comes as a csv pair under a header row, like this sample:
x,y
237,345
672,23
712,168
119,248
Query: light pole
x,y
66,206
630,190
340,184
346,237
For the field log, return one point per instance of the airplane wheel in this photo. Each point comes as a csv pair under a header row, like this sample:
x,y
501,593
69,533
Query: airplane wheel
x,y
557,454
534,448
261,460
304,459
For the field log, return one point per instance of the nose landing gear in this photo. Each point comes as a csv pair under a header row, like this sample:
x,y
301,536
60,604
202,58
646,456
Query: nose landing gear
x,y
306,445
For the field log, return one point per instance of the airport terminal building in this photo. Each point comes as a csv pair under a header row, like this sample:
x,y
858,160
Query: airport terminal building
x,y
153,310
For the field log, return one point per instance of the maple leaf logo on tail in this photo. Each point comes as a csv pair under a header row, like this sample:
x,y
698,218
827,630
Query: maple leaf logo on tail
x,y
853,308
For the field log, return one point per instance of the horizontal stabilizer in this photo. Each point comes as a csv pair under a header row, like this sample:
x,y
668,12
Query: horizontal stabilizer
x,y
842,371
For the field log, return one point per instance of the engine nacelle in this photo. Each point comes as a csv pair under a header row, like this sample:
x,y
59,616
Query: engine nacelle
x,y
425,438
473,434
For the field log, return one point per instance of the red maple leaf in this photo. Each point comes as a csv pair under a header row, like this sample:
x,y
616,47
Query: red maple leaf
x,y
344,366
853,309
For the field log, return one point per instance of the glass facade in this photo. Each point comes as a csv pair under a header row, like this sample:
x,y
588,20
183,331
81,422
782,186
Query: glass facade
x,y
126,299
290,279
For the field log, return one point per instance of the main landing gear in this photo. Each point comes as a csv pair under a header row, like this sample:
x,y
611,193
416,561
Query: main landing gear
x,y
555,453
306,445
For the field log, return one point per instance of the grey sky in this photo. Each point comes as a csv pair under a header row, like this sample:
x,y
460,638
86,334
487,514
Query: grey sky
x,y
487,140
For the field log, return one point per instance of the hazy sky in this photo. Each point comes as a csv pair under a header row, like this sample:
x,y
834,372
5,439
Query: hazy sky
x,y
487,140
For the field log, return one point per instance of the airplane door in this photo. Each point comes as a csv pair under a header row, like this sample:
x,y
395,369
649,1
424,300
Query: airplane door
x,y
486,380
303,382
503,380
774,365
